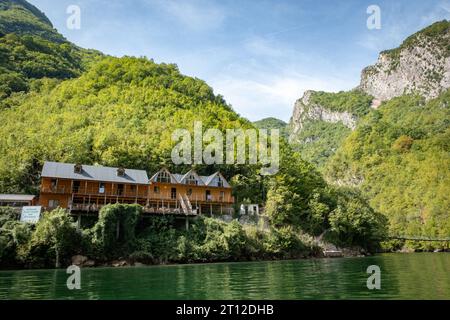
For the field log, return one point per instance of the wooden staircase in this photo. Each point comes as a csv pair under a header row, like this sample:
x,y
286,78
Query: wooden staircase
x,y
185,204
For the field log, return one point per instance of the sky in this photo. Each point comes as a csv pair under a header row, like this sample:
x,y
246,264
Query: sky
x,y
261,55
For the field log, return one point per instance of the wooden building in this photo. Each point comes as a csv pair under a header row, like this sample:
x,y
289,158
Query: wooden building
x,y
190,193
83,188
87,188
17,200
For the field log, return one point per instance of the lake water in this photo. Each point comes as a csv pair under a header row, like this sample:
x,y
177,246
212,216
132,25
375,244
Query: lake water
x,y
403,276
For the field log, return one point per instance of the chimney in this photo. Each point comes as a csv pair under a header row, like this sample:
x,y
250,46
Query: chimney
x,y
120,172
78,168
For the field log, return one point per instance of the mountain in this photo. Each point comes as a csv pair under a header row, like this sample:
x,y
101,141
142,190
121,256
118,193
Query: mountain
x,y
22,18
322,120
31,50
399,156
389,137
420,64
272,123
121,112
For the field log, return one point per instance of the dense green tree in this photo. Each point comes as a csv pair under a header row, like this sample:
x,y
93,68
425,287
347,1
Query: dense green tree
x,y
354,222
399,156
56,235
114,231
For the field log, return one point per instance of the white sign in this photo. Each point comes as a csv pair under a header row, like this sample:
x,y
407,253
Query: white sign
x,y
30,214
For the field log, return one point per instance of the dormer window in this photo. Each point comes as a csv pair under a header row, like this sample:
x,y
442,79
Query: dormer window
x,y
163,176
121,172
191,179
78,168
219,182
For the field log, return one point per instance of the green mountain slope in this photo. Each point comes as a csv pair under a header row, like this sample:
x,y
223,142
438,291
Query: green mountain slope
x,y
30,49
121,112
400,157
322,120
272,123
397,153
22,18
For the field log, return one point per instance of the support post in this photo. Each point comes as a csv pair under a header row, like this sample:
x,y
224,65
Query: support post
x,y
79,222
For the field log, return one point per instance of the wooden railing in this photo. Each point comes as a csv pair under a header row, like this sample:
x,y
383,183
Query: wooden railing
x,y
138,193
96,192
195,198
60,190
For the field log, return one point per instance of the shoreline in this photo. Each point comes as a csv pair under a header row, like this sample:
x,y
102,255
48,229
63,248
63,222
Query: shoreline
x,y
129,264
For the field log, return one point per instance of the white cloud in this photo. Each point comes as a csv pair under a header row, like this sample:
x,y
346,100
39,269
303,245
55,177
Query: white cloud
x,y
271,95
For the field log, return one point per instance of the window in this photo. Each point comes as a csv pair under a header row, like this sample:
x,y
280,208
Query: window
x,y
189,192
101,187
191,179
163,176
222,195
53,203
120,188
53,184
219,182
156,190
132,188
76,186
173,193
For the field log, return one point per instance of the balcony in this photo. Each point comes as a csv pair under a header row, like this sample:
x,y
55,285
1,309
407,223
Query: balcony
x,y
111,193
194,198
58,190
97,192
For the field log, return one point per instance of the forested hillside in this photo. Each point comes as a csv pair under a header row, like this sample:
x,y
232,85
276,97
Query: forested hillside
x,y
322,120
31,49
119,113
272,123
395,152
400,157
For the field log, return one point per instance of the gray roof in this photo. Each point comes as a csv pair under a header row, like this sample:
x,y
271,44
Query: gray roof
x,y
205,180
16,197
93,173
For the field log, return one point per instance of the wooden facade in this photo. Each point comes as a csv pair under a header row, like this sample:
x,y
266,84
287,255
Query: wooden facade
x,y
17,200
86,195
196,195
80,188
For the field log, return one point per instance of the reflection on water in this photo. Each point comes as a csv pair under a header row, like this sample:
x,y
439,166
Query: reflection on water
x,y
403,276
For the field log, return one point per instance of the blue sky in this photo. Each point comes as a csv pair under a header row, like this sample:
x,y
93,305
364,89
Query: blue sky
x,y
260,55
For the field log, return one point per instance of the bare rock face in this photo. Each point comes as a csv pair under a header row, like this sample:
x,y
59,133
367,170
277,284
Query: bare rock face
x,y
305,110
421,65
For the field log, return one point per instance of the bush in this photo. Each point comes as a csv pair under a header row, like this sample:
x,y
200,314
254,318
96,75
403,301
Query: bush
x,y
354,222
284,243
14,238
158,239
55,239
114,233
8,214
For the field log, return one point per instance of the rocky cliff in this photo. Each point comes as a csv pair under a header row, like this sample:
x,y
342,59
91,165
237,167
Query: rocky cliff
x,y
421,64
306,110
321,120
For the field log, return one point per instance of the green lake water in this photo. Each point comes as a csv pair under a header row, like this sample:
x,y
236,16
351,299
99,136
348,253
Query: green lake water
x,y
403,276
